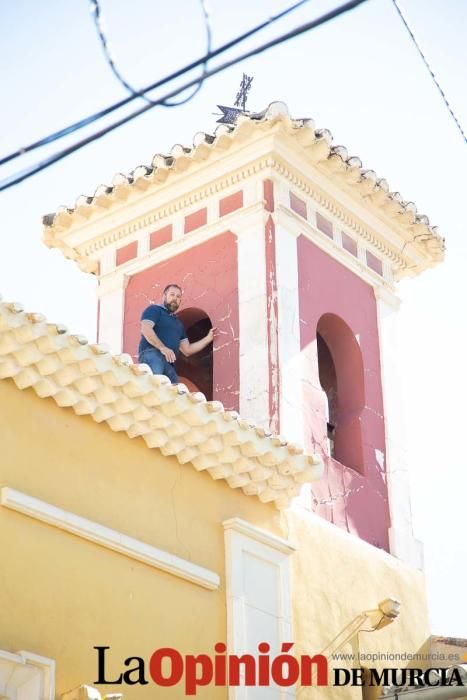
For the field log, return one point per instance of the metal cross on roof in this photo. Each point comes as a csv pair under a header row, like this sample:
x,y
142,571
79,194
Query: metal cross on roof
x,y
245,85
230,114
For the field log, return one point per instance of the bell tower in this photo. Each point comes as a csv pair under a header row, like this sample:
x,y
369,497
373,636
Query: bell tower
x,y
292,250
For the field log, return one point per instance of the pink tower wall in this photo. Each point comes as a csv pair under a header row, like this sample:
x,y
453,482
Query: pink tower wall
x,y
208,275
357,502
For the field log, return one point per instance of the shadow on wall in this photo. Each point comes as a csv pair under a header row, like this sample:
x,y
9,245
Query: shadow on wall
x,y
196,371
341,376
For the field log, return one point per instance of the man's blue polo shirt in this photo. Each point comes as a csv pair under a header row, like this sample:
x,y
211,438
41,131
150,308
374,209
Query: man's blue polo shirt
x,y
168,328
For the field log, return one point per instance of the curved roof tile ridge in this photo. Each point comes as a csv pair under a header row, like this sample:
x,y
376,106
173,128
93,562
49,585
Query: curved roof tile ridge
x,y
275,112
128,397
335,158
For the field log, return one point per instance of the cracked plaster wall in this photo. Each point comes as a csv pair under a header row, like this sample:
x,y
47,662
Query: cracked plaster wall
x,y
357,502
272,310
208,275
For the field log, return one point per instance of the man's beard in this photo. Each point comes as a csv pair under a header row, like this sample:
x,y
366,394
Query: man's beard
x,y
171,306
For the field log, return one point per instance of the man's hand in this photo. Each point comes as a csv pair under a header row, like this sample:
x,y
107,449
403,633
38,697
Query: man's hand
x,y
188,348
210,336
168,354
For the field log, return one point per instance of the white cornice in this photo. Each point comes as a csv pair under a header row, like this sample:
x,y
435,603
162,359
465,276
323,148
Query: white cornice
x,y
108,538
299,226
245,528
141,219
251,216
387,297
351,194
401,253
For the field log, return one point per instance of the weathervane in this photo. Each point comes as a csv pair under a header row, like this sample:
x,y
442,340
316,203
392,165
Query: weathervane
x,y
245,85
230,114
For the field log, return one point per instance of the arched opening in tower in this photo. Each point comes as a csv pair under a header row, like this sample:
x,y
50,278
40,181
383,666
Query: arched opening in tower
x,y
328,381
341,376
196,371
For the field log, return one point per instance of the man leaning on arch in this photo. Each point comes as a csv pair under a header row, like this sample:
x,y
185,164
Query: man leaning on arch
x,y
163,336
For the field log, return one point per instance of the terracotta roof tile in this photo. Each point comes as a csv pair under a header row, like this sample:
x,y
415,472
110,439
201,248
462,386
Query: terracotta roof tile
x,y
318,144
128,397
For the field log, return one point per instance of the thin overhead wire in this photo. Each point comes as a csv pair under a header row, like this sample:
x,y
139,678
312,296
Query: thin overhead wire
x,y
86,121
427,64
301,29
105,45
98,21
207,24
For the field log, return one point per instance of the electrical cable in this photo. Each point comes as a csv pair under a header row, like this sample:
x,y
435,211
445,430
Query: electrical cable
x,y
97,15
301,29
207,24
425,61
90,119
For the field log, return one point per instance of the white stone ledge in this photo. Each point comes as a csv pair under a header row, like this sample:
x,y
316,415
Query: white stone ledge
x,y
106,537
26,676
260,535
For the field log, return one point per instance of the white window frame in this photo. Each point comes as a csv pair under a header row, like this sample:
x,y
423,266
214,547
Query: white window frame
x,y
242,537
27,676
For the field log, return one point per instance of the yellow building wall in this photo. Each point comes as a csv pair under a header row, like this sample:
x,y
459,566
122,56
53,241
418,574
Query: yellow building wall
x,y
336,577
61,595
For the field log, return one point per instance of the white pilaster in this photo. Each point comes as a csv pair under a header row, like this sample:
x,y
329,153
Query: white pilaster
x,y
178,225
143,244
252,192
402,543
107,261
212,206
111,293
361,253
254,366
290,358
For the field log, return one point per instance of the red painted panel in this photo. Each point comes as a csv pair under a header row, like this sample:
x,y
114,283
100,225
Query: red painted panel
x,y
349,244
209,277
127,252
195,220
272,325
231,203
374,263
163,235
268,191
298,205
357,502
323,224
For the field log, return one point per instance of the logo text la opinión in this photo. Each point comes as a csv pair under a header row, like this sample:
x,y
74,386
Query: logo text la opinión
x,y
168,667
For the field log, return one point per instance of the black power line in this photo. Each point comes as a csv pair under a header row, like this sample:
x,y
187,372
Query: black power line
x,y
66,131
29,172
207,24
97,15
425,61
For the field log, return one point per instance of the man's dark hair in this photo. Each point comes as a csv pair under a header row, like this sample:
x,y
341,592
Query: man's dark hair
x,y
169,286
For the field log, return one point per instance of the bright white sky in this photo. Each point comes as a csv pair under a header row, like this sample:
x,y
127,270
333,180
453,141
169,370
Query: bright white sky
x,y
361,77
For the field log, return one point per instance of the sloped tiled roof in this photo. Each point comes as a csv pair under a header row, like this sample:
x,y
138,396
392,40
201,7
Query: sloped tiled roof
x,y
317,143
128,397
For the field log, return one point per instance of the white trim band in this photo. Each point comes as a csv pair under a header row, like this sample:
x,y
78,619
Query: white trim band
x,y
255,533
106,537
26,675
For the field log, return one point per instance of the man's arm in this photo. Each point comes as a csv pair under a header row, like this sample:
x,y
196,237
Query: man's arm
x,y
148,332
187,348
